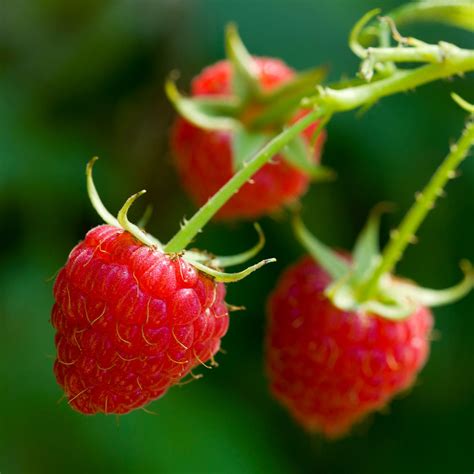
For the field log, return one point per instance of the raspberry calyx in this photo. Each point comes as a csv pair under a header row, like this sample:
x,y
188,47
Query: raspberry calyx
x,y
202,261
366,283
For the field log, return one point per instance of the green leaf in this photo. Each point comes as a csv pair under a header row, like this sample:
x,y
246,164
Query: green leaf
x,y
245,82
333,263
205,112
297,153
246,144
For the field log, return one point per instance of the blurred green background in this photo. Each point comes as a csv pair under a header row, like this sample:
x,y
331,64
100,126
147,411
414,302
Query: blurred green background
x,y
84,78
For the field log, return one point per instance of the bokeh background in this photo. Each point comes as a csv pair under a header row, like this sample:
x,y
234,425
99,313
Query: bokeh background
x,y
85,77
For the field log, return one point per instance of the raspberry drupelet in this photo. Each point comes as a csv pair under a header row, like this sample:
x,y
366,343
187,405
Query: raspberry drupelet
x,y
131,321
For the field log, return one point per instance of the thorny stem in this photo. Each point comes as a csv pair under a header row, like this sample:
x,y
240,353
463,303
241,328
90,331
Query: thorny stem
x,y
429,53
192,227
446,60
424,203
457,61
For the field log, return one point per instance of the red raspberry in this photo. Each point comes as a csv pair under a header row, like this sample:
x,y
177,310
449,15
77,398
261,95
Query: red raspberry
x,y
204,158
131,321
329,367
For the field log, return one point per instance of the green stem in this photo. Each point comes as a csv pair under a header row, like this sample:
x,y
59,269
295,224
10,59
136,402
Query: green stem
x,y
192,227
457,61
429,53
415,216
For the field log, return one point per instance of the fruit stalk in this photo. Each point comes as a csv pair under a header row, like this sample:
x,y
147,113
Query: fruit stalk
x,y
424,203
192,227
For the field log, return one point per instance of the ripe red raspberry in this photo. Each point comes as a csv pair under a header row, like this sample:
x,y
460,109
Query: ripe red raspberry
x,y
131,321
330,367
204,158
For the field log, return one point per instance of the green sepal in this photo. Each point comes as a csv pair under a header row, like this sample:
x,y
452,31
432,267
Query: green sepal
x,y
122,217
94,197
229,277
245,81
219,261
281,102
298,87
141,235
332,262
343,295
205,112
366,252
246,144
397,311
297,153
464,104
270,109
430,297
397,299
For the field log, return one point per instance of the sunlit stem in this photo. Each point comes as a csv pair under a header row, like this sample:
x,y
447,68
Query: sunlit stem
x,y
424,203
192,227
